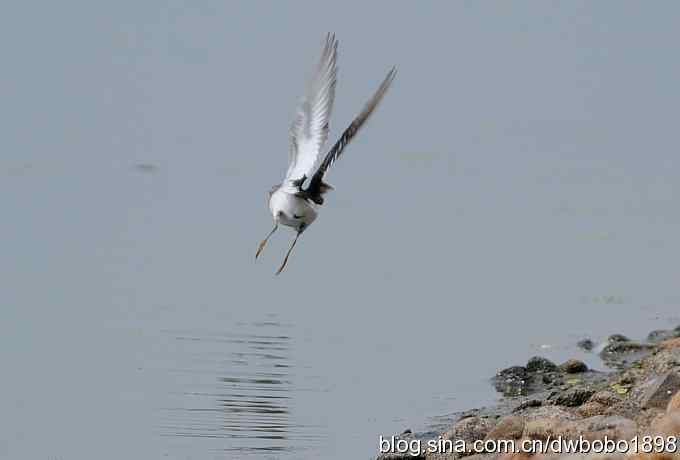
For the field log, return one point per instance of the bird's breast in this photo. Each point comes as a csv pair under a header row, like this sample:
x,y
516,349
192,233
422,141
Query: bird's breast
x,y
291,210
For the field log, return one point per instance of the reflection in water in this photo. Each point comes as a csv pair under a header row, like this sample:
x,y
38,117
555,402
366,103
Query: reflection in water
x,y
239,389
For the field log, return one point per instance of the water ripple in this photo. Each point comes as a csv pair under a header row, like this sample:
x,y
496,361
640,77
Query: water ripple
x,y
238,388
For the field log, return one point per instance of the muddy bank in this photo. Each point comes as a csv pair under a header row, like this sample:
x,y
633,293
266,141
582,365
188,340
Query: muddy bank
x,y
543,400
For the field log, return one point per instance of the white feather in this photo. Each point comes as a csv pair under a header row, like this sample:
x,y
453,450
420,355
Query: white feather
x,y
309,130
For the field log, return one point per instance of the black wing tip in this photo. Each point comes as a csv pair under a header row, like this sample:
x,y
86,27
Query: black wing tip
x,y
297,183
391,75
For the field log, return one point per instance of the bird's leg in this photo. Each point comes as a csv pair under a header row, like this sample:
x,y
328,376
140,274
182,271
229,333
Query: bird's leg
x,y
264,241
285,260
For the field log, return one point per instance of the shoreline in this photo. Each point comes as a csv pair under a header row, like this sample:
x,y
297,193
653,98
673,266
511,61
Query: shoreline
x,y
542,401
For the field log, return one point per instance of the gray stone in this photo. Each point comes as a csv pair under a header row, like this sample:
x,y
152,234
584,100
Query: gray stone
x,y
573,366
512,381
527,404
661,391
626,347
614,338
621,353
573,397
541,364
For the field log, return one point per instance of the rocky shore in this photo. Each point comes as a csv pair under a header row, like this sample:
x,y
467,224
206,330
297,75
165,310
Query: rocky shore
x,y
545,401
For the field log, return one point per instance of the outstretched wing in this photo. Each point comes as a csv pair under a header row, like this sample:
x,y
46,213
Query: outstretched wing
x,y
309,130
316,184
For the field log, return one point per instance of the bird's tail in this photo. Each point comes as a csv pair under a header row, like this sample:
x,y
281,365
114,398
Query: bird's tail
x,y
316,193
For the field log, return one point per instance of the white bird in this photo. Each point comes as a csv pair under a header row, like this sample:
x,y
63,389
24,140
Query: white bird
x,y
289,203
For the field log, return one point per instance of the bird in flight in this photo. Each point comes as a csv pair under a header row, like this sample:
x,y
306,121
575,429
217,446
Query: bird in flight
x,y
291,204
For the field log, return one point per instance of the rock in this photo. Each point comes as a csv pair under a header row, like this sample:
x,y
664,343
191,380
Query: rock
x,y
642,397
668,425
510,427
660,335
616,338
598,404
625,408
540,364
665,357
620,353
527,404
674,403
626,347
586,344
548,411
573,397
672,343
613,427
627,378
400,456
518,456
660,392
591,408
469,430
441,456
542,428
573,366
454,456
512,381
591,428
606,398
552,379
517,372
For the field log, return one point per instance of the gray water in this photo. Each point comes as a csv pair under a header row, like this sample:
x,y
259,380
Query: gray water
x,y
517,191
